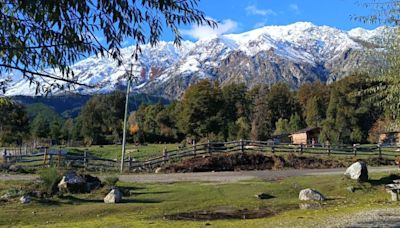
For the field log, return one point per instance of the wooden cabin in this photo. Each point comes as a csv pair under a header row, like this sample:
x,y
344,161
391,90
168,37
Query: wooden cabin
x,y
306,136
390,138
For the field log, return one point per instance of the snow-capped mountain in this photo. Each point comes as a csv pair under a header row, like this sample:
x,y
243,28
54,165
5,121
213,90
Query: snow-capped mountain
x,y
295,54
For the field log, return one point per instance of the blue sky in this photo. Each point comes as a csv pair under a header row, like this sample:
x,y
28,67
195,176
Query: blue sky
x,y
237,16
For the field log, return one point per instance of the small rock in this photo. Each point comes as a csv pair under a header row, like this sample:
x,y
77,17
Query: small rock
x,y
15,168
37,194
158,170
310,206
310,194
351,189
114,196
25,199
5,197
357,171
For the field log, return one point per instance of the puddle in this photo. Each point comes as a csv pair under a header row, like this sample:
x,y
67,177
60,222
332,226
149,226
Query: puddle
x,y
221,214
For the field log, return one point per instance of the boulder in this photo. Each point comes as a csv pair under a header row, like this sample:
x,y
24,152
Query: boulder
x,y
25,199
158,170
74,183
92,182
114,196
6,197
16,169
351,189
357,171
310,194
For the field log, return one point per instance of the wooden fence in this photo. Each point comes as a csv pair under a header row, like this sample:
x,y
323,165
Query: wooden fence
x,y
61,158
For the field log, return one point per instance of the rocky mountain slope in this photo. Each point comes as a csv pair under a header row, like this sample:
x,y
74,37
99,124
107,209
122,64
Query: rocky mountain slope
x,y
295,54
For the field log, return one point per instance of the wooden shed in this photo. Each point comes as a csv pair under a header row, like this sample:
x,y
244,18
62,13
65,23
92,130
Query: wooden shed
x,y
390,138
306,136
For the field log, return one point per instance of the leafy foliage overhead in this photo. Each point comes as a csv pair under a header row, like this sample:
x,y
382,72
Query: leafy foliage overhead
x,y
37,35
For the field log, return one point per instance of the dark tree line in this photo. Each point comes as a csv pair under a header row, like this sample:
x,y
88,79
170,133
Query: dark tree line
x,y
208,111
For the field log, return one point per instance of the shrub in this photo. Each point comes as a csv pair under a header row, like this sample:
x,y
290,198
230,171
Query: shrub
x,y
49,178
111,181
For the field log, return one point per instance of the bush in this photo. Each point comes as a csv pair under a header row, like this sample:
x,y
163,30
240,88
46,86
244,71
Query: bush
x,y
111,181
49,178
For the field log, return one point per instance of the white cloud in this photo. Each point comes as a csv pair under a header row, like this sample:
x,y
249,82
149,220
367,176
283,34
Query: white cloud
x,y
253,10
203,32
261,24
294,8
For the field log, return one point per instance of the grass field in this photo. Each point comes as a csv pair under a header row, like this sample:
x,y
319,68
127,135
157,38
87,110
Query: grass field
x,y
150,202
140,152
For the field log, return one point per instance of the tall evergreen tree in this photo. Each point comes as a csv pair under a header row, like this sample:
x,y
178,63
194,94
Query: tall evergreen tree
x,y
14,122
201,110
40,127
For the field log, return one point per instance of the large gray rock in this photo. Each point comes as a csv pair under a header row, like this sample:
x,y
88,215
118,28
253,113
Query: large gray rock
x,y
357,171
25,199
114,196
310,194
74,183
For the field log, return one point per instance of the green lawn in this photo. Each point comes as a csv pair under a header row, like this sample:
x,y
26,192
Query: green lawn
x,y
150,202
137,152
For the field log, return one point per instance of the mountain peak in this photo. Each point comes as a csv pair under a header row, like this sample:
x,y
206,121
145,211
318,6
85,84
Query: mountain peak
x,y
294,53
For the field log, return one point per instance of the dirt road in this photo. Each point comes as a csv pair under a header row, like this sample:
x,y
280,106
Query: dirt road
x,y
222,177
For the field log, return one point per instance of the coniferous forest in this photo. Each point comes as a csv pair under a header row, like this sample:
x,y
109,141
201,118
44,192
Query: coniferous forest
x,y
208,111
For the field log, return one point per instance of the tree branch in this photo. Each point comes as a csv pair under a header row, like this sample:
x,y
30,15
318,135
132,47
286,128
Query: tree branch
x,y
46,75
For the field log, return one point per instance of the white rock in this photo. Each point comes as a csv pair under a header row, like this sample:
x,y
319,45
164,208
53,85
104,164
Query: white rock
x,y
357,171
310,194
158,170
114,196
25,199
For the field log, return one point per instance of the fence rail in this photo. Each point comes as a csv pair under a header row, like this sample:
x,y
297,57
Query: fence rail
x,y
44,157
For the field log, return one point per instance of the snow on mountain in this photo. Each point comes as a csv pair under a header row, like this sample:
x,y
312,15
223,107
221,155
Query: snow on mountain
x,y
294,53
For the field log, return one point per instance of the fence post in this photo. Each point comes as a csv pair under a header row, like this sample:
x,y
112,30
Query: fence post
x,y
130,164
329,149
194,147
208,147
301,148
51,160
5,156
59,158
45,156
165,155
85,159
273,149
380,151
26,149
355,149
241,146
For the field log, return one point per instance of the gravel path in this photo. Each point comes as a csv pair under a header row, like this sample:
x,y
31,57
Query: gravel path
x,y
389,217
221,177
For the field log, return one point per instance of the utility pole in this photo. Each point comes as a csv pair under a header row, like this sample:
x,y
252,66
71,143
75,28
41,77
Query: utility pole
x,y
128,88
